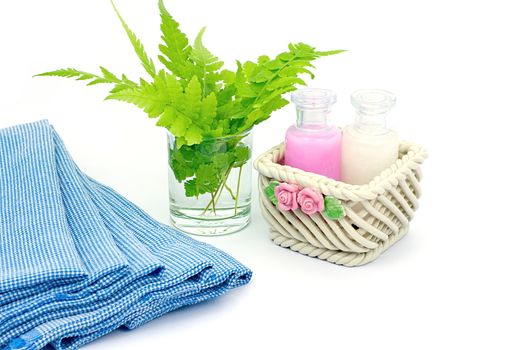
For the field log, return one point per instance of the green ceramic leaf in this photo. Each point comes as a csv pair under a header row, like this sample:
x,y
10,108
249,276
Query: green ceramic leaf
x,y
270,191
333,209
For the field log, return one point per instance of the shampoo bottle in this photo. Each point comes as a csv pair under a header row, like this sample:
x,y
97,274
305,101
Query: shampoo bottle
x,y
312,144
369,146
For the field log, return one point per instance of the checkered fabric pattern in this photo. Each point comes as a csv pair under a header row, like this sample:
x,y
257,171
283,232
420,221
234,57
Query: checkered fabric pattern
x,y
77,260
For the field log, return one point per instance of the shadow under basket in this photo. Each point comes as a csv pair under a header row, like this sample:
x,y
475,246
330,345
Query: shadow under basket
x,y
372,217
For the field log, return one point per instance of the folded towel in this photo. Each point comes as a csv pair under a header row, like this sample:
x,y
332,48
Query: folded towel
x,y
77,260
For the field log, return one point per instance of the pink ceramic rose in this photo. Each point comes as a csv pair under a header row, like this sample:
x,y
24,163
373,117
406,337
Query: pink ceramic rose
x,y
286,195
311,201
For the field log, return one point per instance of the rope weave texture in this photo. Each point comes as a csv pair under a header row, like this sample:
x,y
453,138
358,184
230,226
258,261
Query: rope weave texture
x,y
376,215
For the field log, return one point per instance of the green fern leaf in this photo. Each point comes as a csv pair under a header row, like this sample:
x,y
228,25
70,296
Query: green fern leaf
x,y
298,62
208,109
108,75
253,117
243,88
276,64
118,88
329,53
147,63
176,49
274,104
70,73
263,75
259,87
230,110
276,93
192,98
167,118
171,90
291,70
285,56
227,76
283,82
249,68
182,113
92,79
144,96
178,123
262,60
206,64
174,89
97,81
193,135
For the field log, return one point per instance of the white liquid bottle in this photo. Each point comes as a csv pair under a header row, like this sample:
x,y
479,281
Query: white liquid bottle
x,y
369,146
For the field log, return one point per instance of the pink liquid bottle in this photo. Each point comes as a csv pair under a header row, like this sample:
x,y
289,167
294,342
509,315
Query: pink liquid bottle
x,y
312,144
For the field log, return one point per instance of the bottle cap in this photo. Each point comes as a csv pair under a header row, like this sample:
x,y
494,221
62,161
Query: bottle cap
x,y
373,101
314,98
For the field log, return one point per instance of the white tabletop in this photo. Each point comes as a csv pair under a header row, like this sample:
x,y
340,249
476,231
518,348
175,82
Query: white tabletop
x,y
455,281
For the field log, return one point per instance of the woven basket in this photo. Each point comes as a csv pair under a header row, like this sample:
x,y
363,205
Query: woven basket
x,y
374,216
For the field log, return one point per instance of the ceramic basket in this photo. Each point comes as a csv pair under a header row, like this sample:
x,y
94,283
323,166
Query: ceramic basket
x,y
358,223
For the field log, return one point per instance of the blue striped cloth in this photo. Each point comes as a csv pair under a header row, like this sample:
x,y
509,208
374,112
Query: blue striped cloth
x,y
77,260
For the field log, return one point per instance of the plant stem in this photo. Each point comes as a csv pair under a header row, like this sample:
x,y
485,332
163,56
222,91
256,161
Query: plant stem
x,y
210,203
213,203
230,191
238,189
207,207
223,182
215,195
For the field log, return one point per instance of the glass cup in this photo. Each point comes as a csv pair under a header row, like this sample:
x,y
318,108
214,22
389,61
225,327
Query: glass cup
x,y
210,184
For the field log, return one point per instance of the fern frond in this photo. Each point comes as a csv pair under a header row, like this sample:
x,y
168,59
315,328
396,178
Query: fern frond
x,y
192,98
176,49
206,64
208,110
147,63
93,79
331,52
108,75
174,88
184,112
70,73
262,85
145,96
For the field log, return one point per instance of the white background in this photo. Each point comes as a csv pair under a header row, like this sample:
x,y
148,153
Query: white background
x,y
457,67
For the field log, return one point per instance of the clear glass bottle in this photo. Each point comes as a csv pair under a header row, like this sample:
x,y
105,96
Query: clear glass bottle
x,y
369,146
312,144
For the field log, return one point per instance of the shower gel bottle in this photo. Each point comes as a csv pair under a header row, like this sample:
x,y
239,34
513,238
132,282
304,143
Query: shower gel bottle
x,y
369,146
312,144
